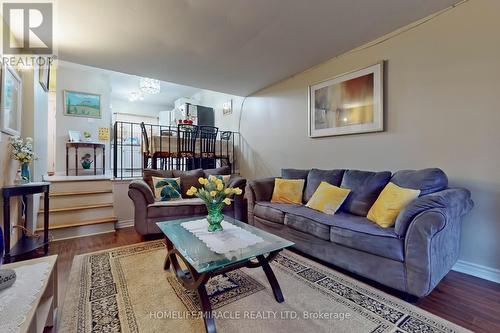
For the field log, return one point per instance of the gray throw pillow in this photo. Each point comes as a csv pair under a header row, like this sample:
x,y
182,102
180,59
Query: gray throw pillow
x,y
426,180
365,187
188,179
316,176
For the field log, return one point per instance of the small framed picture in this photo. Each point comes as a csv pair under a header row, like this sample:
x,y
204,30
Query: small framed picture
x,y
227,108
10,101
75,136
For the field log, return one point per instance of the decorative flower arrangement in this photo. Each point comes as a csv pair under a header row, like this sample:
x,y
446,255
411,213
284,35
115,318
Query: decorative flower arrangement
x,y
215,194
22,151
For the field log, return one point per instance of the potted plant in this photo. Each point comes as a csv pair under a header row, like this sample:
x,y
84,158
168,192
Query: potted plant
x,y
87,136
215,194
22,151
86,161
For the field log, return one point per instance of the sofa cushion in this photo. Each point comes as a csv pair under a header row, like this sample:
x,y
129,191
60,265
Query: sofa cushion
x,y
359,233
272,212
224,170
308,226
183,207
426,180
296,174
148,174
365,187
188,179
316,176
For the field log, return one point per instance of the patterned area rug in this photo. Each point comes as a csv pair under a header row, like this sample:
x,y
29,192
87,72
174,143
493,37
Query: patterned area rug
x,y
126,290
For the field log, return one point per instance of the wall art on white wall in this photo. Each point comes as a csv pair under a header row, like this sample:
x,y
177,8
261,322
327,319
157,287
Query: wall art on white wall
x,y
347,104
10,101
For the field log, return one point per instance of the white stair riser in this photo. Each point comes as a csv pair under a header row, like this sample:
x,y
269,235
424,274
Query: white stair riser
x,y
83,186
76,216
68,201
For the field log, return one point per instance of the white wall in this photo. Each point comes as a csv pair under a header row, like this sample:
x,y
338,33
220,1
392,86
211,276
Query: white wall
x,y
81,80
443,99
215,100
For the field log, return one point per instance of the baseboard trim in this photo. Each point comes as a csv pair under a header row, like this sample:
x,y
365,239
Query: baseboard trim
x,y
124,224
480,271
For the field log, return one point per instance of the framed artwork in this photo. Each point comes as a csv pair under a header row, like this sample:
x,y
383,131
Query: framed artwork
x,y
227,108
44,75
80,104
347,104
10,101
75,136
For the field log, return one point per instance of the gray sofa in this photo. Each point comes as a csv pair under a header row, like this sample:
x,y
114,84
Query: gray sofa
x,y
413,256
148,211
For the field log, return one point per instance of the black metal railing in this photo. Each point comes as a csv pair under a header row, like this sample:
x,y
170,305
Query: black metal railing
x,y
137,146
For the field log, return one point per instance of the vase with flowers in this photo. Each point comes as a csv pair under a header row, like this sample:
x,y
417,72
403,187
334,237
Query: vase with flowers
x,y
22,151
216,195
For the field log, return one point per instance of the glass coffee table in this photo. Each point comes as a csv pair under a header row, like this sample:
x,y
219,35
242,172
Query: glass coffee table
x,y
202,263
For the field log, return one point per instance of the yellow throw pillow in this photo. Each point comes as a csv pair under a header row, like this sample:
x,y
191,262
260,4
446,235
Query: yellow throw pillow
x,y
288,191
389,203
327,198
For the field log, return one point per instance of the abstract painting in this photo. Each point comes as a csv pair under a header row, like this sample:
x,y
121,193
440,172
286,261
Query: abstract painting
x,y
81,104
347,104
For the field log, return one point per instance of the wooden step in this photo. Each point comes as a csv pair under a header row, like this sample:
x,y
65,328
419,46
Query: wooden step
x,y
77,215
74,208
74,200
83,185
64,194
68,232
82,223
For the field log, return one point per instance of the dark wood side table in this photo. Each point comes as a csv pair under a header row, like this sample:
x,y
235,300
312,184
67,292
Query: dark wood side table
x,y
25,244
93,145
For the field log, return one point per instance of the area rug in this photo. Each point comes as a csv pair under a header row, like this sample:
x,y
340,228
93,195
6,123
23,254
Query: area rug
x,y
126,290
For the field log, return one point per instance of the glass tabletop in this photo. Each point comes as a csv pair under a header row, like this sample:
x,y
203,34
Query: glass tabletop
x,y
205,260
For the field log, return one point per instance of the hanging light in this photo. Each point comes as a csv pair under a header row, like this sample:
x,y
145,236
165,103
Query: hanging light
x,y
149,86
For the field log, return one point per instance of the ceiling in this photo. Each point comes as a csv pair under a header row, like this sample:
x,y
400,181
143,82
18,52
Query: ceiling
x,y
123,84
232,46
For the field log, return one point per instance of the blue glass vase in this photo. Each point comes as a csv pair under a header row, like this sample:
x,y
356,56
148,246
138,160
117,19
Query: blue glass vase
x,y
25,172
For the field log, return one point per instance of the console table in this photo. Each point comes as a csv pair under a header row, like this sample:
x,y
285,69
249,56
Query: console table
x,y
43,310
93,145
25,244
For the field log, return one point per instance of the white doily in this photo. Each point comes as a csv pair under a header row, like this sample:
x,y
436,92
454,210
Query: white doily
x,y
230,239
16,301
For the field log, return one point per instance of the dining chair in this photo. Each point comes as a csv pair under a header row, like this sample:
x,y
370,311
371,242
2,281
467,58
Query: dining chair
x,y
147,158
208,139
186,146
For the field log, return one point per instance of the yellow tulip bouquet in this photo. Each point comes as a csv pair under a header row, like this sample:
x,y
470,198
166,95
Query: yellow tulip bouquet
x,y
215,194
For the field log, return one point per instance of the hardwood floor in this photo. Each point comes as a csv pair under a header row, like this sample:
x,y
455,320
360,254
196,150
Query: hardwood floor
x,y
466,300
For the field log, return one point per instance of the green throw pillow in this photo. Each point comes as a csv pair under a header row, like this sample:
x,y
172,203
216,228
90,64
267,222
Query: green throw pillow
x,y
167,189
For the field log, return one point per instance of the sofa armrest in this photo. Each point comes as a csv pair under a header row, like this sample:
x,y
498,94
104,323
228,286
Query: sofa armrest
x,y
432,240
452,202
239,201
258,190
142,196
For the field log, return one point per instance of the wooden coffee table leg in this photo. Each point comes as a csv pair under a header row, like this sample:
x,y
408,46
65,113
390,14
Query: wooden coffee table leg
x,y
206,309
264,263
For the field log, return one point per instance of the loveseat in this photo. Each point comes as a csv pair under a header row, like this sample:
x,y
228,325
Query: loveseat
x,y
148,210
412,256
